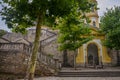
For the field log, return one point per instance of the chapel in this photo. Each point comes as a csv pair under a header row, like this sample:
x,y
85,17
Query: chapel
x,y
93,53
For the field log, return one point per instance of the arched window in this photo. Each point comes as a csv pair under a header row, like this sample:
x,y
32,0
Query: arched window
x,y
94,24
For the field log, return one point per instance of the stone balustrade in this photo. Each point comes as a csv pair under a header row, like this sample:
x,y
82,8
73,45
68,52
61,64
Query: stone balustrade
x,y
48,40
15,46
49,61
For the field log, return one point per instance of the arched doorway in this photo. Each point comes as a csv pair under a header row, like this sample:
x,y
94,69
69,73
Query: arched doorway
x,y
92,55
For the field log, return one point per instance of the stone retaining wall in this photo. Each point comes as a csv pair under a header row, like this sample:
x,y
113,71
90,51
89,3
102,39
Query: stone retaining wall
x,y
14,64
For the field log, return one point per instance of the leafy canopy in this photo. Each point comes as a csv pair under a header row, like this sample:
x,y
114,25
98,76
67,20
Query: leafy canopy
x,y
72,31
2,32
21,14
110,23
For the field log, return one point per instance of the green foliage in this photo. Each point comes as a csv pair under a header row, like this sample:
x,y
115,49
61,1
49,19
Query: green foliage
x,y
72,31
110,23
21,14
2,32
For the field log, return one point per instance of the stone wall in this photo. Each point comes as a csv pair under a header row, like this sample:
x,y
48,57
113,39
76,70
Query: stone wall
x,y
13,63
45,33
53,51
115,56
13,36
16,62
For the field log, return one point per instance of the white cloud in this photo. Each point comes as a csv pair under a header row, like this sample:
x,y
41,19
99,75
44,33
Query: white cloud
x,y
103,4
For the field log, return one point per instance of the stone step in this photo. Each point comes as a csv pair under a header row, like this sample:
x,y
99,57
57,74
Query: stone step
x,y
89,74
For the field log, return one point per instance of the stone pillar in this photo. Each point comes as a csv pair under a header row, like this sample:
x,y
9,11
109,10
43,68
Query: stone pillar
x,y
114,57
85,54
100,56
60,65
56,65
85,61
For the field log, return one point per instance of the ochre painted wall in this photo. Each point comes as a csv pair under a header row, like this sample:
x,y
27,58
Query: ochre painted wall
x,y
106,57
80,56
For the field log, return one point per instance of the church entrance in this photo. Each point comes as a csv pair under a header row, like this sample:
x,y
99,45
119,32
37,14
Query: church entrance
x,y
92,55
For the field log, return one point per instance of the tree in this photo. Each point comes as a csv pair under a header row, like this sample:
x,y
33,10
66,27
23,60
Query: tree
x,y
110,23
72,32
21,14
2,32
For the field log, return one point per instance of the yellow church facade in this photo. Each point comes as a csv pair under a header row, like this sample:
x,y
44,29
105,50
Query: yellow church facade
x,y
93,53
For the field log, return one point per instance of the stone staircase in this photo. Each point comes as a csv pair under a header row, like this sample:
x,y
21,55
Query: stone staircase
x,y
89,73
48,40
51,63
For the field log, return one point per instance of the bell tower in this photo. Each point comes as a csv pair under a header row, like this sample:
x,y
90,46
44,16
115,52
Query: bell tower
x,y
93,16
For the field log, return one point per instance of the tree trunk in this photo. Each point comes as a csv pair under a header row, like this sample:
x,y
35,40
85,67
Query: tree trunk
x,y
36,45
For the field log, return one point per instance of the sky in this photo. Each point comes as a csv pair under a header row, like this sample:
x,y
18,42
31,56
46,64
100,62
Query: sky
x,y
102,5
